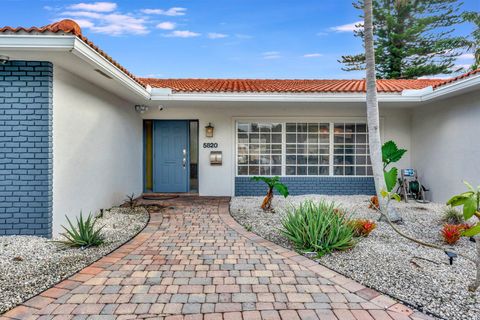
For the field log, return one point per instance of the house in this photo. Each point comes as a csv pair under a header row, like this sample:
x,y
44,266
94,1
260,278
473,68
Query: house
x,y
78,131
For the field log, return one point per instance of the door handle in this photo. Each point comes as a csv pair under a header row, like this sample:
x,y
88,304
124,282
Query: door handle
x,y
184,160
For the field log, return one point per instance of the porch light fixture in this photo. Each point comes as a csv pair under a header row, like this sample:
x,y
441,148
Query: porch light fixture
x,y
141,108
209,130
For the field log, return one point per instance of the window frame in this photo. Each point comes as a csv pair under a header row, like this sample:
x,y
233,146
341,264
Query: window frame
x,y
283,121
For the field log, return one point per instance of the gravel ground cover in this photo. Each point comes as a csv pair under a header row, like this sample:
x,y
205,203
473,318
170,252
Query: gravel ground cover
x,y
385,261
29,264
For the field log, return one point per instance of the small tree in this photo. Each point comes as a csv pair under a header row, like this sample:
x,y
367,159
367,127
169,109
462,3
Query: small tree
x,y
470,201
272,183
373,116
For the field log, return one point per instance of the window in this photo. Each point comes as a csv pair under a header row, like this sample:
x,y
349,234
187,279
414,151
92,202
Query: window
x,y
350,150
307,149
259,148
303,148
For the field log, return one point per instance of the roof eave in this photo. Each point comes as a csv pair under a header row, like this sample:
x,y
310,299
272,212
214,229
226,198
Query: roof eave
x,y
454,88
71,44
91,56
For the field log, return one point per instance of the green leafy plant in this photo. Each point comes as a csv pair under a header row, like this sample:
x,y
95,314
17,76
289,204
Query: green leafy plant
x,y
318,227
272,183
391,154
84,234
470,201
248,227
452,216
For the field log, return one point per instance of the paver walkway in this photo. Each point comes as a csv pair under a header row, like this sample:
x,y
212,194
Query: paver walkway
x,y
194,262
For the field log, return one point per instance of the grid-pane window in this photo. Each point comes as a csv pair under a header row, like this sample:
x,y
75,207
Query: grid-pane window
x,y
350,150
259,148
307,149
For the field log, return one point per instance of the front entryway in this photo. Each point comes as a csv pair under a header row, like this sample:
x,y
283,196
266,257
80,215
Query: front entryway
x,y
171,156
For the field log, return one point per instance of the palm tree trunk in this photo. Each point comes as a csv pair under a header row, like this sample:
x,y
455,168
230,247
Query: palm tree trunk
x,y
476,283
267,201
373,113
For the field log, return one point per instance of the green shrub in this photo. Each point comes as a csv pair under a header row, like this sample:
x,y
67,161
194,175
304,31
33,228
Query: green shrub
x,y
452,216
318,227
84,234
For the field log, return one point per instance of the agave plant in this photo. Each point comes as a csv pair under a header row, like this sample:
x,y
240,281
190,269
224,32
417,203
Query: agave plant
x,y
84,234
318,227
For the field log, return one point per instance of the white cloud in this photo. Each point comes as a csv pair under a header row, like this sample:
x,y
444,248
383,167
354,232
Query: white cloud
x,y
214,35
109,23
85,14
96,6
166,25
172,12
182,34
312,55
350,27
466,56
84,23
269,55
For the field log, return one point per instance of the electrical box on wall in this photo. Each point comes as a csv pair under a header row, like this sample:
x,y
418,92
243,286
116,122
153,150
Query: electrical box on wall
x,y
215,158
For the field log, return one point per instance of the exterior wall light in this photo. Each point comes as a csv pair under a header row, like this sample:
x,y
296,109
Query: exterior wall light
x,y
209,130
4,59
141,108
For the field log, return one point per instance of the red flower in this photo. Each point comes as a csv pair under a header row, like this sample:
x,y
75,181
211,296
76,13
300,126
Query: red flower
x,y
363,227
452,232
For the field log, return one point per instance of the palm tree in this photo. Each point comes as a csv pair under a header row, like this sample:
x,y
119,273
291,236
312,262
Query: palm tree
x,y
373,113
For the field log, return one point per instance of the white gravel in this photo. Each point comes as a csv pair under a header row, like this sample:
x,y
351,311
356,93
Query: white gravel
x,y
29,264
385,261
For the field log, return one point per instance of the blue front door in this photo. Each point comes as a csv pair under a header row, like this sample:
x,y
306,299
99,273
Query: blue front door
x,y
171,156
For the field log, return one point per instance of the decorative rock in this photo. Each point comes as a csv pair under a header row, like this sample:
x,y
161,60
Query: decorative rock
x,y
386,261
29,264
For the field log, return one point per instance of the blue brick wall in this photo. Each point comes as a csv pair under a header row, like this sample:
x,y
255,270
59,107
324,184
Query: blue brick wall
x,y
244,186
26,148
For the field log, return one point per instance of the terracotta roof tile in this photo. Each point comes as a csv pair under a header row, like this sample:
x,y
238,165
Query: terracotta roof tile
x,y
70,27
291,86
462,76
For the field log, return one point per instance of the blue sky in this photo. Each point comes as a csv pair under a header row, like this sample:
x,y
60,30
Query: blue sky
x,y
214,38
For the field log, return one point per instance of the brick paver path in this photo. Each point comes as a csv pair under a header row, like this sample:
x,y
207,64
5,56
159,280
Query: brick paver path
x,y
194,262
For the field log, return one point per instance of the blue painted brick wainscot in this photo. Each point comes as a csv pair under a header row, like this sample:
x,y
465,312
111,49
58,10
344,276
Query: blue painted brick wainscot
x,y
26,148
244,186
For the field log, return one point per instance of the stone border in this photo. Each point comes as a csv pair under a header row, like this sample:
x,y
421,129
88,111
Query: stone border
x,y
70,282
376,300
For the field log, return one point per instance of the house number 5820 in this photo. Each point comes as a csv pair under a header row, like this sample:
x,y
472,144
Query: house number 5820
x,y
210,145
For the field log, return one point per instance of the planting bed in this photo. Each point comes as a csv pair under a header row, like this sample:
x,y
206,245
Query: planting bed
x,y
385,261
29,265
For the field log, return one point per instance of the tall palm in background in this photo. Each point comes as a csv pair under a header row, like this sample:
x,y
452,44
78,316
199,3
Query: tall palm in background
x,y
373,117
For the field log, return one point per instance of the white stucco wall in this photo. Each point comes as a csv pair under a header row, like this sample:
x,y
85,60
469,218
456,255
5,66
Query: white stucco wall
x,y
446,144
219,180
97,148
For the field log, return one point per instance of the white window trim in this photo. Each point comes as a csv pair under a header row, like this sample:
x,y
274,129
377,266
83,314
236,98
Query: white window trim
x,y
283,121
